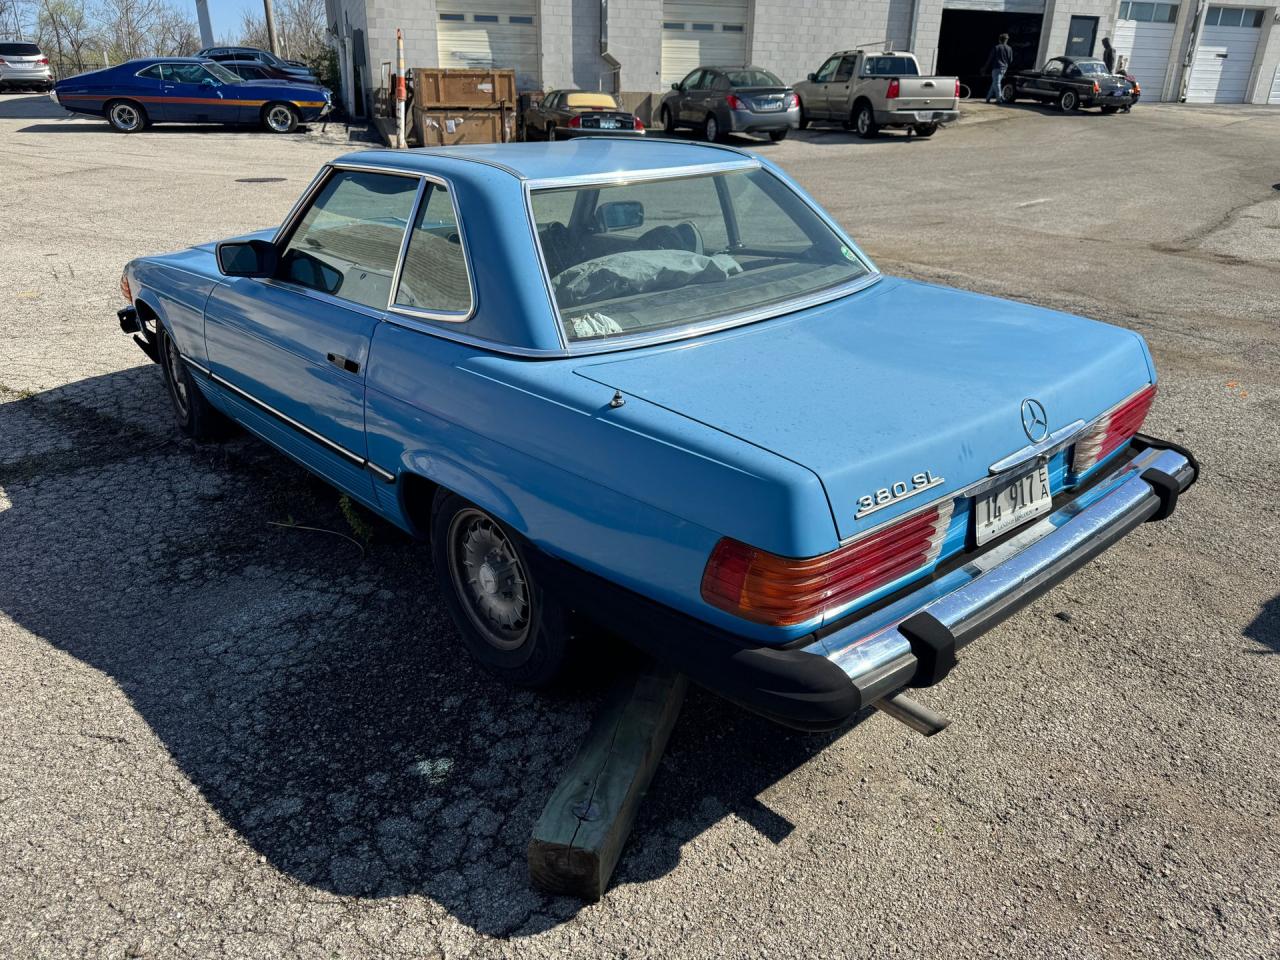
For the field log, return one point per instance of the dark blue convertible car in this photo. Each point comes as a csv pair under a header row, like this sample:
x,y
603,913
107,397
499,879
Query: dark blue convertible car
x,y
189,90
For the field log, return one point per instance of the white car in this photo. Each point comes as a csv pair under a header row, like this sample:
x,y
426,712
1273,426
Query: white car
x,y
22,65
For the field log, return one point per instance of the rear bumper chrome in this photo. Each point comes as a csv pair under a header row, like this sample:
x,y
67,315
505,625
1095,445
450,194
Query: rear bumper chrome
x,y
821,681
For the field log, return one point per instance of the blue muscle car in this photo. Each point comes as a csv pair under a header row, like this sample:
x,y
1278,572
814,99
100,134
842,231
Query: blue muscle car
x,y
653,386
189,90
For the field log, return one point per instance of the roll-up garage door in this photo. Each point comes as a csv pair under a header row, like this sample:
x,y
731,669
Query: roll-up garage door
x,y
702,33
1144,36
1224,55
500,34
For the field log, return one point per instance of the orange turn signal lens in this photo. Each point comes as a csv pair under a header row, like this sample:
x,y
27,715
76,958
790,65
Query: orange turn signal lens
x,y
125,290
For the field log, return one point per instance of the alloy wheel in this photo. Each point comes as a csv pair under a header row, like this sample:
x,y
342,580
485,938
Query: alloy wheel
x,y
126,117
279,119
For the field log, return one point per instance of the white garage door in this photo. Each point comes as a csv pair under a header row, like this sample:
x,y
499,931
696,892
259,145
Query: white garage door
x,y
500,34
702,33
1224,55
1144,36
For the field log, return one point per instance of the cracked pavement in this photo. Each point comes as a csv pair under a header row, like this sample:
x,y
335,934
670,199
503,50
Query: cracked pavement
x,y
224,735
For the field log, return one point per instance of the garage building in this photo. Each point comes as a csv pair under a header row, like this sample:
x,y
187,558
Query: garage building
x,y
1192,50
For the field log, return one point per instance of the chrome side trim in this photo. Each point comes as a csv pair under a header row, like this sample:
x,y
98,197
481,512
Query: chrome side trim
x,y
1039,452
877,657
355,458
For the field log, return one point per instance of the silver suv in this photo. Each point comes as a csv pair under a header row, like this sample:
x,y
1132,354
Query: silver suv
x,y
23,65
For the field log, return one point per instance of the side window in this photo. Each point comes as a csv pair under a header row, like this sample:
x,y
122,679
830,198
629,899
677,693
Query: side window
x,y
185,73
434,276
827,70
348,242
552,102
694,80
1053,68
719,82
845,71
151,73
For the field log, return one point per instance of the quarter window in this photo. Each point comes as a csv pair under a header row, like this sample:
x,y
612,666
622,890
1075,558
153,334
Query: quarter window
x,y
434,275
348,242
151,73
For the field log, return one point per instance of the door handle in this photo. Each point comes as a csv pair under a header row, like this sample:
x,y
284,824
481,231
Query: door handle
x,y
342,363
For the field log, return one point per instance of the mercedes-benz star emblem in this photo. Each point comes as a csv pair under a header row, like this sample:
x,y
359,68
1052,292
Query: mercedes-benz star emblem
x,y
1034,420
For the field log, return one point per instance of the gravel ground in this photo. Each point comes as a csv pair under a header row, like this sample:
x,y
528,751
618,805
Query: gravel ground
x,y
223,737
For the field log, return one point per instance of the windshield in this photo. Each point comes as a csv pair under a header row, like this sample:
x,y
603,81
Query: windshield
x,y
1089,67
640,257
221,72
752,78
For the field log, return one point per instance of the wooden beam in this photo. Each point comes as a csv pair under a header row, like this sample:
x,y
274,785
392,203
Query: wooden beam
x,y
584,826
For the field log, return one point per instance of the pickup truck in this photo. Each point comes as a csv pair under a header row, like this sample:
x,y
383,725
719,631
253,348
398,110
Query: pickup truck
x,y
868,91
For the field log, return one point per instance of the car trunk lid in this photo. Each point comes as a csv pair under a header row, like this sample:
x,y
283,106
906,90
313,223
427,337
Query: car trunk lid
x,y
602,118
915,93
873,389
763,99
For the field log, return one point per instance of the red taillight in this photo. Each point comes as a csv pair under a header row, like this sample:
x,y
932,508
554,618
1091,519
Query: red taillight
x,y
575,122
125,290
957,88
733,102
636,124
894,89
782,591
792,101
1113,430
43,61
1136,87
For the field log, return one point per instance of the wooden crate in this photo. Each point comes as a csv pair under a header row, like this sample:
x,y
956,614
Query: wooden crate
x,y
437,87
438,127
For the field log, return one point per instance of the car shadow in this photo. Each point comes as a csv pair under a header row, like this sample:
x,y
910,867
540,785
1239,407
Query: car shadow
x,y
1264,629
294,657
83,124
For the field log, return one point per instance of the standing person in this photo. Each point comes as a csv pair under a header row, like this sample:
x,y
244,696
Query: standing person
x,y
1108,55
998,61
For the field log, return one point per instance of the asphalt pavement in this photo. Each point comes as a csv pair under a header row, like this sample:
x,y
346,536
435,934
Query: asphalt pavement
x,y
236,724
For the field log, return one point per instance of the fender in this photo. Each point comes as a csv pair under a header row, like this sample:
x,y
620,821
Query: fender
x,y
457,477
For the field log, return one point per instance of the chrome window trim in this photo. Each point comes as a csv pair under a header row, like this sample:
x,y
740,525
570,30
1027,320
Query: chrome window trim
x,y
1024,464
638,176
473,293
349,455
699,328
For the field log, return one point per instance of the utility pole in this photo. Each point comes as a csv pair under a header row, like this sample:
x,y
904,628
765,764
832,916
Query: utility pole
x,y
206,27
271,27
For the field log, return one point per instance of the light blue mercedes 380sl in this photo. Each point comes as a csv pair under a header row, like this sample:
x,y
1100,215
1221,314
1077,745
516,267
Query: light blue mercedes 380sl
x,y
653,386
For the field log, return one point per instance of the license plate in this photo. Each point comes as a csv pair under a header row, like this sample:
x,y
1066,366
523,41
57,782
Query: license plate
x,y
1012,505
609,124
767,106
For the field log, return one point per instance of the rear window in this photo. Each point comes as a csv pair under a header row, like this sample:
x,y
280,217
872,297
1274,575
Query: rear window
x,y
891,67
19,50
752,78
641,257
590,100
1091,67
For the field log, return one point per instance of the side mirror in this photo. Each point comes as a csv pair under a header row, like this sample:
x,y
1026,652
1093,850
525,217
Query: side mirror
x,y
813,78
619,215
676,86
247,258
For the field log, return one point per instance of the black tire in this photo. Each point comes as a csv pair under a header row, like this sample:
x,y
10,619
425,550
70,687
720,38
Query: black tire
x,y
864,121
778,136
1009,93
126,116
280,117
531,649
194,415
711,131
1110,110
668,122
551,133
925,129
1068,101
804,117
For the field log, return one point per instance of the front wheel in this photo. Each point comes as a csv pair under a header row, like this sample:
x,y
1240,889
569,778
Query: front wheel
x,y
777,135
126,116
508,623
925,129
668,122
1068,101
280,118
194,416
1008,93
864,122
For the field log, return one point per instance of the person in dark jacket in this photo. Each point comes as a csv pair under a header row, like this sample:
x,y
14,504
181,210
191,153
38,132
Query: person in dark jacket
x,y
1108,55
998,61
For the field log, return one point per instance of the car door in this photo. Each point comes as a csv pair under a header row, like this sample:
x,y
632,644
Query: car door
x,y
293,348
1048,83
191,93
839,86
817,103
687,95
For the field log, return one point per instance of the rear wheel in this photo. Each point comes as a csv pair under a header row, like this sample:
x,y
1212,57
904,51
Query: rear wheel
x,y
194,415
551,132
711,129
126,116
864,121
280,118
1008,93
925,129
508,623
777,135
1110,109
1068,101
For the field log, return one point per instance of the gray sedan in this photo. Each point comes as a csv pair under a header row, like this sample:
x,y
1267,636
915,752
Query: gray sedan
x,y
717,101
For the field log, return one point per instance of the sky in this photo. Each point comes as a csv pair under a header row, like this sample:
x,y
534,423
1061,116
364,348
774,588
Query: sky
x,y
225,15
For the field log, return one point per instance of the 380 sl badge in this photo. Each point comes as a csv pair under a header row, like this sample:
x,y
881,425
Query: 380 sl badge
x,y
895,492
